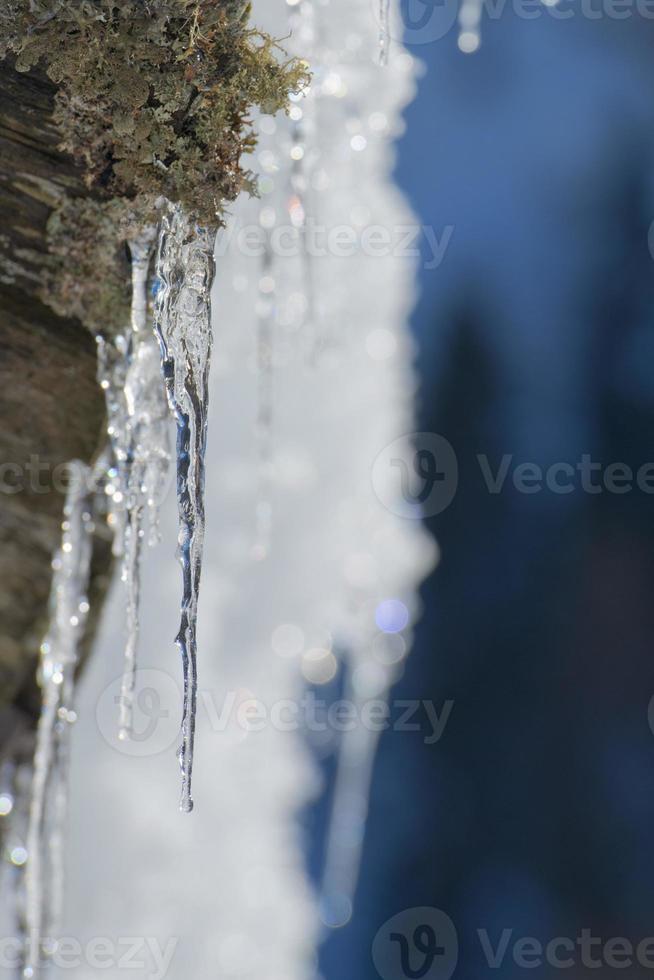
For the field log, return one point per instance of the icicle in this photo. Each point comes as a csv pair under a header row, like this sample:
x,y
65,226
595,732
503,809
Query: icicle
x,y
298,212
7,776
264,423
302,27
470,25
349,812
131,573
130,375
147,458
112,371
185,270
384,31
59,657
140,252
15,792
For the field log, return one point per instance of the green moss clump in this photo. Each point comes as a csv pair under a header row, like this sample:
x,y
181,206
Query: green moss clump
x,y
153,101
87,274
154,96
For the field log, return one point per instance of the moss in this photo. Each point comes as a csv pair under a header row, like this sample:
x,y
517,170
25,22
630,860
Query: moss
x,y
87,274
154,95
153,100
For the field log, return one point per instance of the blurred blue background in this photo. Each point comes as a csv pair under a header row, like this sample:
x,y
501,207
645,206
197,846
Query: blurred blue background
x,y
535,811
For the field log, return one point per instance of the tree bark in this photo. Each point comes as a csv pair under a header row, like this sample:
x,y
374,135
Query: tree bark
x,y
51,407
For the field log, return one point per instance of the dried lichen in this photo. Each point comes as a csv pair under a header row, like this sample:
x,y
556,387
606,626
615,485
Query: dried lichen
x,y
154,96
87,273
153,100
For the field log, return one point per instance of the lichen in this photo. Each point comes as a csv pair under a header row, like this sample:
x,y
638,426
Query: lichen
x,y
87,271
154,99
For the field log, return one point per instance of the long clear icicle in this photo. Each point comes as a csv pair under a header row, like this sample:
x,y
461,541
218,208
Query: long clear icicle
x,y
113,362
15,794
301,203
140,252
148,457
470,14
384,30
345,834
185,271
130,374
59,658
264,421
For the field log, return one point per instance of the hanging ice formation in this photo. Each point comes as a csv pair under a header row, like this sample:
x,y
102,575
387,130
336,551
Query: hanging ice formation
x,y
112,370
59,658
264,420
130,374
469,21
300,26
148,458
185,271
382,558
359,553
384,30
470,13
15,792
300,203
132,475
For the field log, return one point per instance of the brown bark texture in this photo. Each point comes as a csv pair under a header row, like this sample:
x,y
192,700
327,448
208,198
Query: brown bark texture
x,y
51,407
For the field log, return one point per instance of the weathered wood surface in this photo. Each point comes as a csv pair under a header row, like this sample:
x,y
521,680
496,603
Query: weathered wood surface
x,y
51,407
